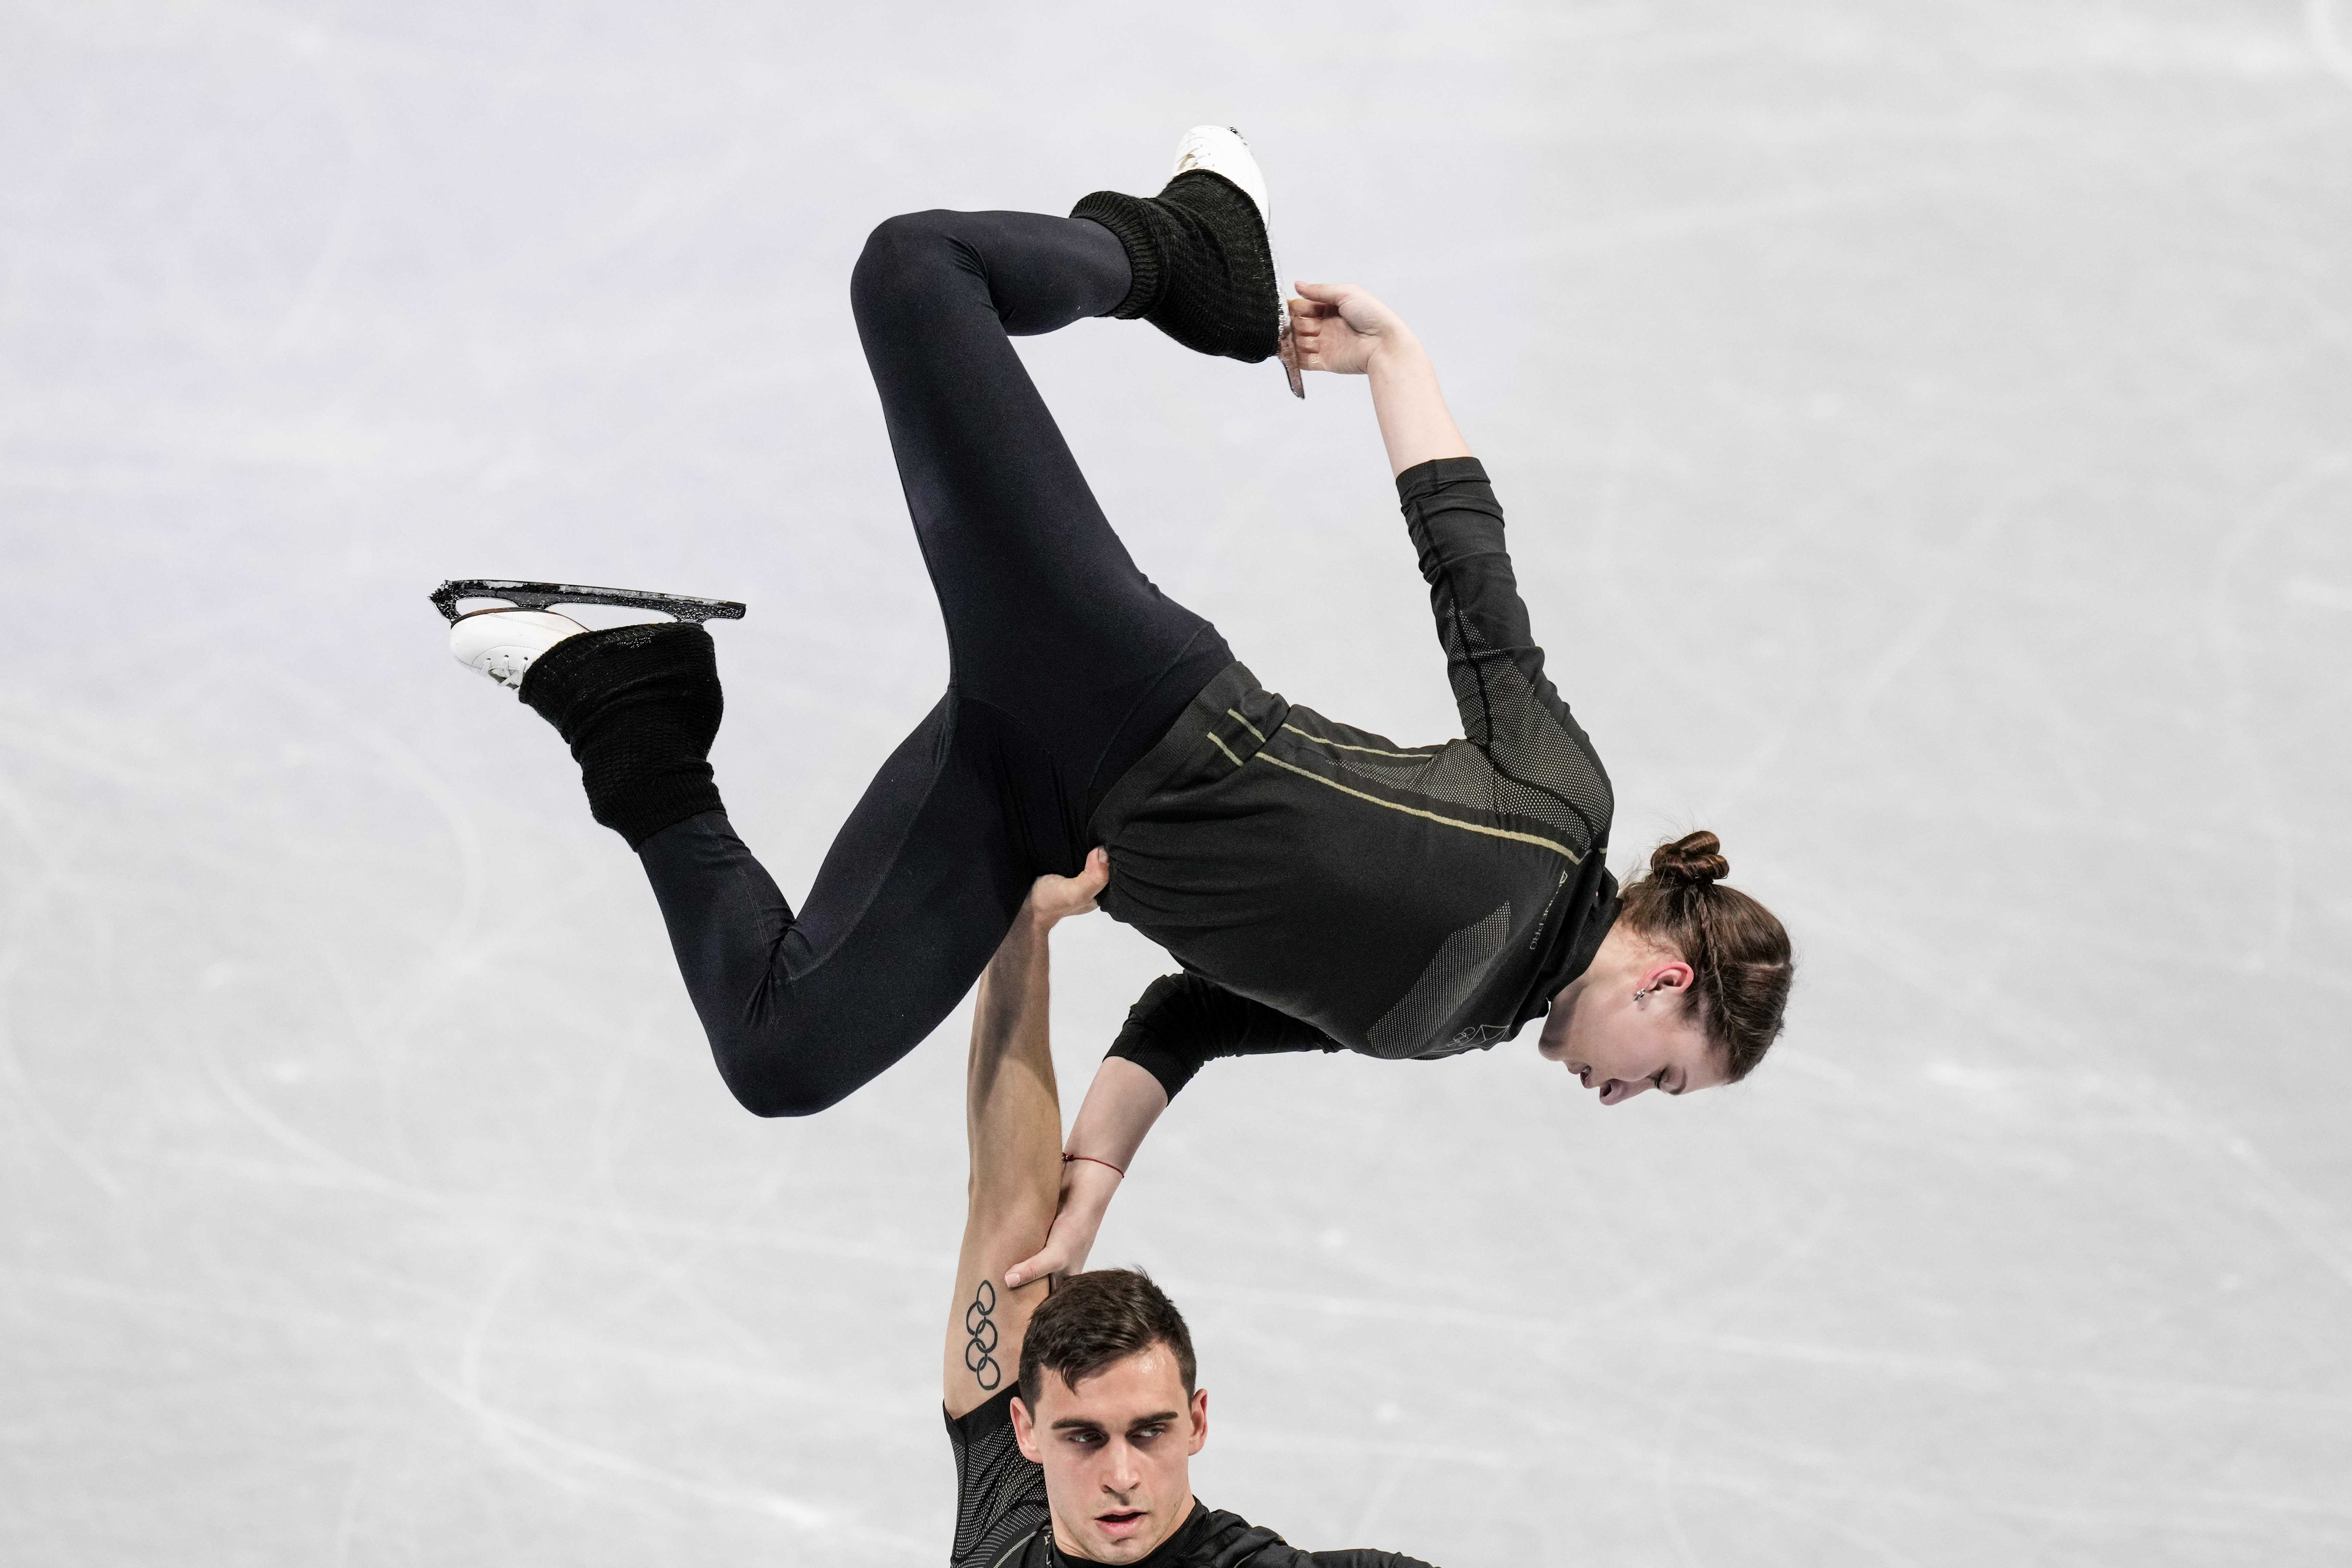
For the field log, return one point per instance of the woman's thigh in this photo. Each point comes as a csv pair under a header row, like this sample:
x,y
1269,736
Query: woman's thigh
x,y
1048,617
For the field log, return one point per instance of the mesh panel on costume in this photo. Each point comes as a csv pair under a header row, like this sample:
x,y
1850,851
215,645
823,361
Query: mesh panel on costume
x,y
1536,752
1000,1493
1461,775
1451,979
1528,764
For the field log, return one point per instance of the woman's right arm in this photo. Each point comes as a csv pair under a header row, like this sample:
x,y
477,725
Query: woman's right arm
x,y
1340,328
1510,708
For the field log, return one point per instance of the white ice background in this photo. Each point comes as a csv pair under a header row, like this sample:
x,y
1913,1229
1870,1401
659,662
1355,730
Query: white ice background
x,y
1927,432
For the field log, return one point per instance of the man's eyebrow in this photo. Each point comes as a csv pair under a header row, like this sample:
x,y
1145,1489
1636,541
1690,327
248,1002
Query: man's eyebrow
x,y
1071,1423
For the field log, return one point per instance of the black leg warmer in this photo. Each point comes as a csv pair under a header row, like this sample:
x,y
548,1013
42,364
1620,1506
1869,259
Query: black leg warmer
x,y
640,706
1202,267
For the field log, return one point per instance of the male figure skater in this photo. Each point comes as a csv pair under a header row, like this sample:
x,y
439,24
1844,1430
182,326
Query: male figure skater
x,y
1073,1415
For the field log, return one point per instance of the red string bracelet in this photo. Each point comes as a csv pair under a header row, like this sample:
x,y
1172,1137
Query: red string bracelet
x,y
1068,1158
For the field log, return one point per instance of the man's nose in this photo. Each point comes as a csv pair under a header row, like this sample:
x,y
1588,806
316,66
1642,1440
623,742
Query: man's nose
x,y
1123,1473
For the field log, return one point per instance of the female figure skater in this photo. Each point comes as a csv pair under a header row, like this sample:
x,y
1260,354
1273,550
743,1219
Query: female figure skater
x,y
1323,887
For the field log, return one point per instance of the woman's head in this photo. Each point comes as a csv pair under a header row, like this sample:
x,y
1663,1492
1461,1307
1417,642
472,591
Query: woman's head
x,y
1687,990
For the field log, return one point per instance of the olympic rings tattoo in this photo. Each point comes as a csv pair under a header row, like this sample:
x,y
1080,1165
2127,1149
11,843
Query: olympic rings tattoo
x,y
980,1352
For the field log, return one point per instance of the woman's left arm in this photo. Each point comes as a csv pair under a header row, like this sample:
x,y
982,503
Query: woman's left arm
x,y
1179,1023
1122,1105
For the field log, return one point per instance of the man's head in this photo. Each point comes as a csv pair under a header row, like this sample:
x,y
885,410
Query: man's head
x,y
1108,1407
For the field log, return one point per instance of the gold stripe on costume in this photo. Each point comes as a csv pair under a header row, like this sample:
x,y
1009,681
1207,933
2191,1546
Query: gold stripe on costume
x,y
1245,724
1573,858
1343,746
1227,749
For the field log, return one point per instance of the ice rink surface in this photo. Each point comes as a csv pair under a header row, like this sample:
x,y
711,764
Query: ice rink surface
x,y
1927,436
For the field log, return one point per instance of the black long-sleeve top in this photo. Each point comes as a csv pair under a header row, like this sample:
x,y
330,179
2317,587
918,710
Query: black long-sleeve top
x,y
1326,888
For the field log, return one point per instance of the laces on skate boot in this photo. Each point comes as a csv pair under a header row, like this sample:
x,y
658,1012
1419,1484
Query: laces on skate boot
x,y
547,596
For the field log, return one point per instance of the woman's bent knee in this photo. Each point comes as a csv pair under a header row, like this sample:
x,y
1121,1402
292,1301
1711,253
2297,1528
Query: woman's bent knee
x,y
771,1078
771,1094
907,254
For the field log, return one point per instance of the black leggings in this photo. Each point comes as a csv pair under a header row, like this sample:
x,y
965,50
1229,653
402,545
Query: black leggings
x,y
1066,665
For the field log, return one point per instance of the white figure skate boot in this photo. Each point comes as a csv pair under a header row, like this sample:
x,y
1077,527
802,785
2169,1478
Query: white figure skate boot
x,y
1222,150
505,644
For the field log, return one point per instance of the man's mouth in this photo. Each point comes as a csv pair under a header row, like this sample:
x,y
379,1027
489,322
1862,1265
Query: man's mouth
x,y
1120,1523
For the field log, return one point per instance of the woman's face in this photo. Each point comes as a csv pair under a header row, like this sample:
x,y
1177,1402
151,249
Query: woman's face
x,y
1624,1028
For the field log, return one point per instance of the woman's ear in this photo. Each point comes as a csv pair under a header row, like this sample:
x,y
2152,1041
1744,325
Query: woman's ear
x,y
1671,975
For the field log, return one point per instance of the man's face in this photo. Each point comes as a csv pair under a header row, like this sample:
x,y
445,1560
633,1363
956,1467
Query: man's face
x,y
1116,1451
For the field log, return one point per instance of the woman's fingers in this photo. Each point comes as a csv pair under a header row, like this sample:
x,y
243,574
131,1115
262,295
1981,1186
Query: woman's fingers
x,y
1045,1262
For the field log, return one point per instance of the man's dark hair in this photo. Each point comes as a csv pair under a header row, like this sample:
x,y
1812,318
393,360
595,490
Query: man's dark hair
x,y
1097,1318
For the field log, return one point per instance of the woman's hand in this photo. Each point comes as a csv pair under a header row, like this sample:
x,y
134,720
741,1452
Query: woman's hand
x,y
1055,899
1340,328
1086,1189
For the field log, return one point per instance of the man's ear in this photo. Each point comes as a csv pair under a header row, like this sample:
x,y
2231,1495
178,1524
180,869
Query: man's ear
x,y
1025,1431
1199,1420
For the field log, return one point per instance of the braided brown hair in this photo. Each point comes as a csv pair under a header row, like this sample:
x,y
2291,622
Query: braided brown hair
x,y
1737,949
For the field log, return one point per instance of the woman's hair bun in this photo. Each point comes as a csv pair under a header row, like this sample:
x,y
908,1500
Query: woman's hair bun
x,y
1696,859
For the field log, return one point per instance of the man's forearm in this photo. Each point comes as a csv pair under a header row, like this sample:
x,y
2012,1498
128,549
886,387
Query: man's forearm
x,y
1012,1116
1014,1123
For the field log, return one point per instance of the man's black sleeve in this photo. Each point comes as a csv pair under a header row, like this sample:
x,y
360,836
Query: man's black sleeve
x,y
999,1492
1363,1557
1182,1020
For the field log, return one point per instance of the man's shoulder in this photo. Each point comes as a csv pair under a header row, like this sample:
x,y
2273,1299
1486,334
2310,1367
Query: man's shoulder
x,y
1225,1540
1229,1541
1000,1491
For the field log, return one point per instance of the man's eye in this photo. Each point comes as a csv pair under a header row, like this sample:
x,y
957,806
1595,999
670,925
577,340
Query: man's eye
x,y
1084,1438
1145,1434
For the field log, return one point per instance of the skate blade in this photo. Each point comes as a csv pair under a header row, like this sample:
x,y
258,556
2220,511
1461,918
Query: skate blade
x,y
1287,347
546,595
